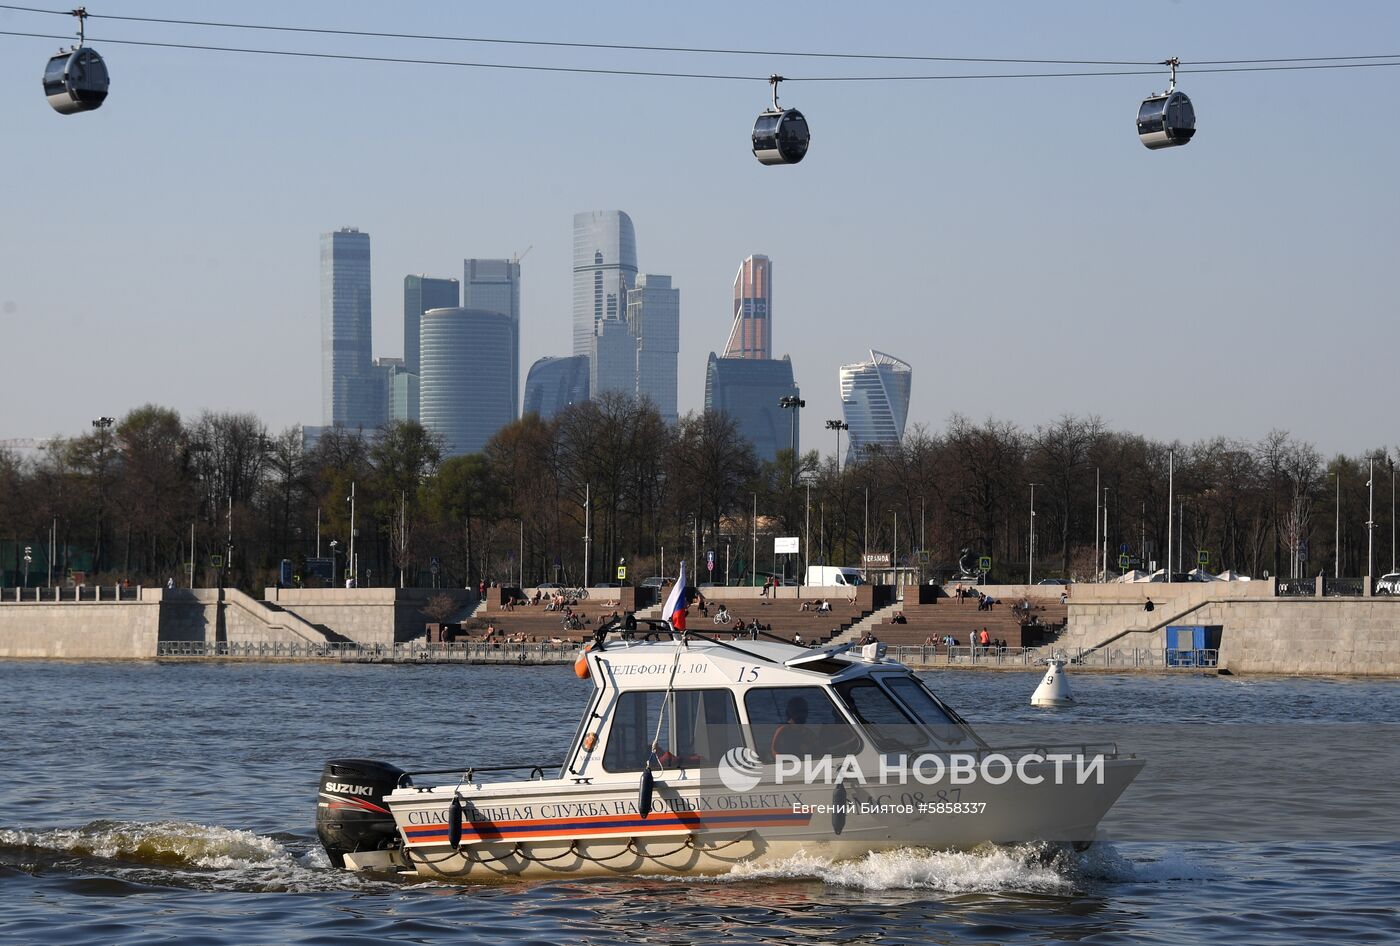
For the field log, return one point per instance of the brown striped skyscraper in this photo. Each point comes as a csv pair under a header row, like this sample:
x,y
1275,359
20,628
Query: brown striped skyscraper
x,y
751,336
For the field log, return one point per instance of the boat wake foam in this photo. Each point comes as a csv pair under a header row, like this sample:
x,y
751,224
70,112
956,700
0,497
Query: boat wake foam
x,y
178,853
1028,868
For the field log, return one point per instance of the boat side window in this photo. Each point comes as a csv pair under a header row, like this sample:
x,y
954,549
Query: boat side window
x,y
699,728
800,721
892,729
925,708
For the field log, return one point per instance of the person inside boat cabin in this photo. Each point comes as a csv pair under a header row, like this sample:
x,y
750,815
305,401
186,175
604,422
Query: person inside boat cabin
x,y
793,737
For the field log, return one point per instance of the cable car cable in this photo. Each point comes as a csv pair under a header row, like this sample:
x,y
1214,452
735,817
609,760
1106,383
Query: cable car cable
x,y
687,49
579,70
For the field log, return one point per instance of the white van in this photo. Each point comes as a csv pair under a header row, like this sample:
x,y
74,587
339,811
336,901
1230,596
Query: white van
x,y
833,575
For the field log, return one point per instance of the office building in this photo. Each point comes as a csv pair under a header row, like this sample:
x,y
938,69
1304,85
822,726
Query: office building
x,y
468,359
605,267
421,293
493,285
398,390
612,364
875,401
748,390
349,393
555,383
751,333
654,319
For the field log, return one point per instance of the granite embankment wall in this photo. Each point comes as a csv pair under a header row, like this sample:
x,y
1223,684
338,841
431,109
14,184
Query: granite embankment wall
x,y
130,629
1261,633
85,630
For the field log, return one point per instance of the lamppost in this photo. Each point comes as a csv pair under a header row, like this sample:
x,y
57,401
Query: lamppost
x,y
335,559
350,562
838,426
28,557
1030,563
1106,491
1337,538
1370,519
794,404
102,425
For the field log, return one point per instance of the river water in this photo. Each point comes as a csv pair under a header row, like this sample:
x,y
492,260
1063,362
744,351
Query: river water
x,y
174,803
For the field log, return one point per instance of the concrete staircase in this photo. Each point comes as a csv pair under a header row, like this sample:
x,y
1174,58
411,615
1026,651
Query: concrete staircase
x,y
275,618
868,623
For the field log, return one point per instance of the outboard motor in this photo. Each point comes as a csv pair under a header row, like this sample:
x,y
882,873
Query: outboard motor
x,y
350,811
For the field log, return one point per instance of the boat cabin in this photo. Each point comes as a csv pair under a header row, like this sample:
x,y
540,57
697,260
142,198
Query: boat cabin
x,y
708,701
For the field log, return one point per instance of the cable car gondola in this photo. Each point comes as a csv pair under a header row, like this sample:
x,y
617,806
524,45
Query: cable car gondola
x,y
76,79
780,136
1166,119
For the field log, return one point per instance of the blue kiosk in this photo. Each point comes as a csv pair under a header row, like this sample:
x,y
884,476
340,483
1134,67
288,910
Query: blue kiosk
x,y
1193,645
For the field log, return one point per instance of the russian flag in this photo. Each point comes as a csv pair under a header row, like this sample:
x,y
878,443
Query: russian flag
x,y
676,602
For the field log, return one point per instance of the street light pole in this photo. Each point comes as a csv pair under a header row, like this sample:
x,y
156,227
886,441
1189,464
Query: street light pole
x,y
807,542
1030,563
838,426
1370,520
1337,537
1105,533
351,563
794,404
1098,496
1171,471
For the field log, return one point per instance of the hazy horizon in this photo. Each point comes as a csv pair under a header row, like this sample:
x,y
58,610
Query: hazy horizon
x,y
1010,239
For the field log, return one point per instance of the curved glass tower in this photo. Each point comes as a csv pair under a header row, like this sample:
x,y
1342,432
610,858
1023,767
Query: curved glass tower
x,y
555,383
605,267
875,401
466,391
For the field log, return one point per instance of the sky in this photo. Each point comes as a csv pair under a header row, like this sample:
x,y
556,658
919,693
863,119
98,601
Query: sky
x,y
1010,238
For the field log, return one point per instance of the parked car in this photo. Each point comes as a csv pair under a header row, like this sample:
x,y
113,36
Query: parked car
x,y
656,581
1053,581
1388,584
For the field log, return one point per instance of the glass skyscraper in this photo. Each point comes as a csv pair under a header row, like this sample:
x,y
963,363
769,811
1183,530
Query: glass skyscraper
x,y
605,267
751,334
654,319
349,388
493,285
613,362
748,390
421,293
875,401
468,369
554,384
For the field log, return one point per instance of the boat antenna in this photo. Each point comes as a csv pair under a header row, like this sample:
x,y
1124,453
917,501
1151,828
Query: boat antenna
x,y
645,788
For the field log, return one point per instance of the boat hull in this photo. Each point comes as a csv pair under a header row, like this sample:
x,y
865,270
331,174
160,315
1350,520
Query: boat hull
x,y
700,826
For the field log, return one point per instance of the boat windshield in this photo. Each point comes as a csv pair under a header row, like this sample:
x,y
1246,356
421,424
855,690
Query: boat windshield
x,y
892,729
927,710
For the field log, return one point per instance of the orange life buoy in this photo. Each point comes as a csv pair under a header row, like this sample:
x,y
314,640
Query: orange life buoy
x,y
581,664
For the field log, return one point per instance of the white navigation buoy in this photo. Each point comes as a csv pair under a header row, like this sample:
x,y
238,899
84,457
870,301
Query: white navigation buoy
x,y
1054,689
